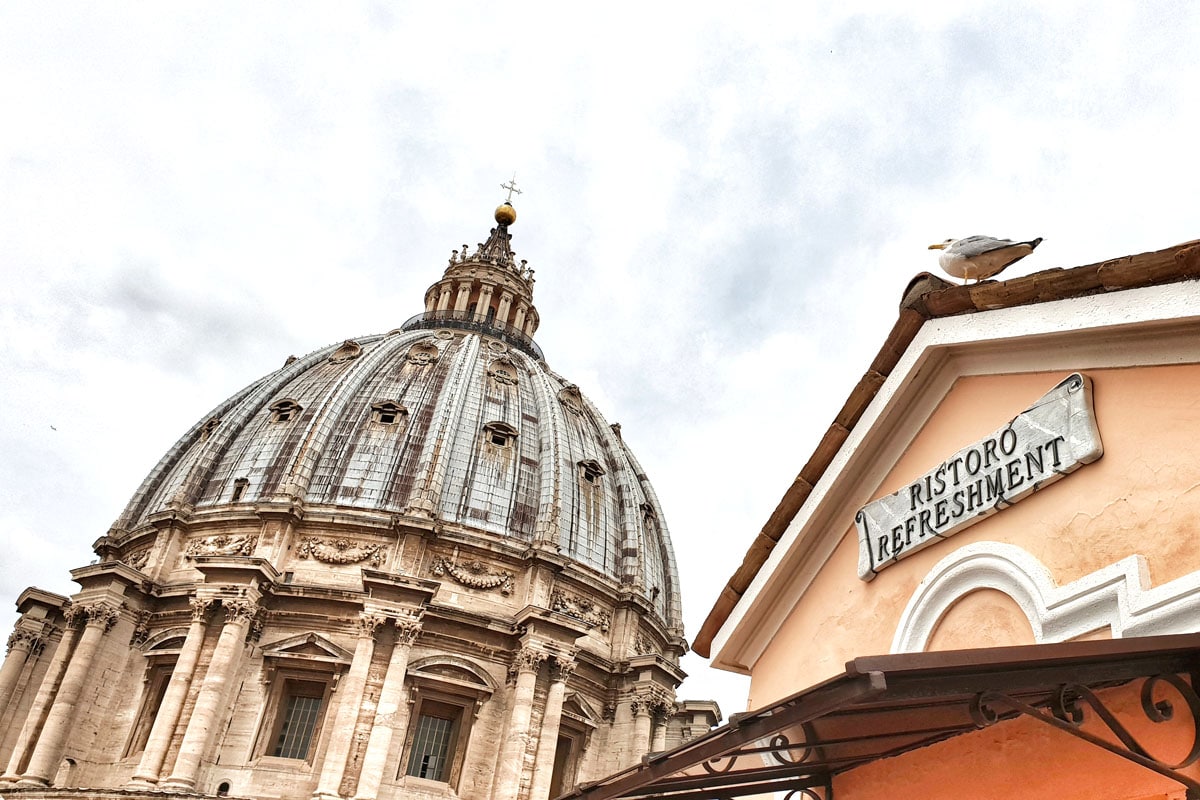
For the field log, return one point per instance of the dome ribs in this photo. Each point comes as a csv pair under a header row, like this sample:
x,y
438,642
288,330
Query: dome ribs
x,y
357,370
430,393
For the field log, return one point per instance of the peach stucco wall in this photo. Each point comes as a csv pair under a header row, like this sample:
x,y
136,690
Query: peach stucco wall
x,y
1142,496
1028,759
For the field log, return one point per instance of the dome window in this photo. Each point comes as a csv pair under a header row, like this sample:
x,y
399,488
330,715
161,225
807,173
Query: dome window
x,y
388,413
503,371
499,434
239,489
285,411
422,354
590,471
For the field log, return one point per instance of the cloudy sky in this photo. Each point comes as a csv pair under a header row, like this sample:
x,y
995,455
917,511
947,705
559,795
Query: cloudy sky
x,y
723,205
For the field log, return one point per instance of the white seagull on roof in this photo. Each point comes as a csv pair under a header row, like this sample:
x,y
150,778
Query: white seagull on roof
x,y
979,257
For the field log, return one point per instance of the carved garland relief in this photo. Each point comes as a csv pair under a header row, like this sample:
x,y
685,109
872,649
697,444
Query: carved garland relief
x,y
473,574
581,608
221,545
340,551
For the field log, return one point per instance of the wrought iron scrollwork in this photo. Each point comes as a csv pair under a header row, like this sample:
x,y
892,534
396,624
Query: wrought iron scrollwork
x,y
782,747
805,794
712,768
1068,710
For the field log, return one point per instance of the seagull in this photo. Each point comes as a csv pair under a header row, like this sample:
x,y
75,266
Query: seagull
x,y
981,257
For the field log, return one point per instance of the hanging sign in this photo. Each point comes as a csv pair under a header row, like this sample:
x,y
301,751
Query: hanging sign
x,y
1052,438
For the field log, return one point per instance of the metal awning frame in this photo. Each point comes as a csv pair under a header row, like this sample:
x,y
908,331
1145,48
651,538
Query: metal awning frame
x,y
883,706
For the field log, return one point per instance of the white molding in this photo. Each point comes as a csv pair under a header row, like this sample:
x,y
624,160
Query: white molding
x,y
1154,325
1117,596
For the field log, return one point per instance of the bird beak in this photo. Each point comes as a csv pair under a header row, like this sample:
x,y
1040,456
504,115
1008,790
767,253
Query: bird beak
x,y
939,246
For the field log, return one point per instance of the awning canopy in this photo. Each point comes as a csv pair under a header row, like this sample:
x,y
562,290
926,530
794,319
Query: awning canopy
x,y
882,706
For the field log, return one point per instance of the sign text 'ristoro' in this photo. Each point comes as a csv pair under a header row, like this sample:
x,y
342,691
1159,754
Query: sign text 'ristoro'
x,y
1052,438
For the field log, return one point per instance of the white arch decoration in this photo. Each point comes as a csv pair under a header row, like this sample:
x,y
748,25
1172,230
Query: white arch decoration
x,y
1117,596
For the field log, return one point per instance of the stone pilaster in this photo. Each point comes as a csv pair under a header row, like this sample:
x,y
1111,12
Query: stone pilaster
x,y
222,668
511,764
150,767
341,734
543,767
20,644
504,306
390,713
44,760
464,297
485,302
45,696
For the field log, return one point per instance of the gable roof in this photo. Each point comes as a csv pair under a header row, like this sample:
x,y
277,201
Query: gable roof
x,y
929,297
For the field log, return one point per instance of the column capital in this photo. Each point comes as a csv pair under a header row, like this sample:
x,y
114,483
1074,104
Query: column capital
x,y
368,624
201,607
23,639
103,615
239,610
528,659
651,700
407,631
561,669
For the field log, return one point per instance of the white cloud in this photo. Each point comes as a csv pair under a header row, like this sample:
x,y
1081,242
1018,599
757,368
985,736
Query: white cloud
x,y
723,207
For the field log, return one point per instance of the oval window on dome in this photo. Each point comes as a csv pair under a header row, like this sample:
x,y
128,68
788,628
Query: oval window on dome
x,y
422,354
503,371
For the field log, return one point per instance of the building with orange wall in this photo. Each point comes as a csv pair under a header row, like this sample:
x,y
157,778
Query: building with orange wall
x,y
985,582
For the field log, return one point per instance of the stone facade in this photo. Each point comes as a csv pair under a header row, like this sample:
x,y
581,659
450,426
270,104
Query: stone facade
x,y
419,564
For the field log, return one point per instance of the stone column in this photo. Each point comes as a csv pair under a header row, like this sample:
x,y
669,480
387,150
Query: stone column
x,y
222,668
511,763
48,752
543,767
530,326
443,302
658,742
519,318
150,767
640,706
464,297
341,733
389,713
45,696
20,644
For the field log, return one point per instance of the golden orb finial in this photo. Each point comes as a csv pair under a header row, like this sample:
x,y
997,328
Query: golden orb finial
x,y
506,214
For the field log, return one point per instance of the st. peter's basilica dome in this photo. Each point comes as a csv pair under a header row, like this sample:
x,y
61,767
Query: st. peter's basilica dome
x,y
412,564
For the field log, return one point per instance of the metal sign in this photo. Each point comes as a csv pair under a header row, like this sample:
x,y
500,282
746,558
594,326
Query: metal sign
x,y
1052,438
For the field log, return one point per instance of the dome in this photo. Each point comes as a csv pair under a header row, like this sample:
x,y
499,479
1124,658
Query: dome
x,y
417,564
453,419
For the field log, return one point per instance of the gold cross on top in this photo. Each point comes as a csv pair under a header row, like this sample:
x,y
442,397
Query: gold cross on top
x,y
512,187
